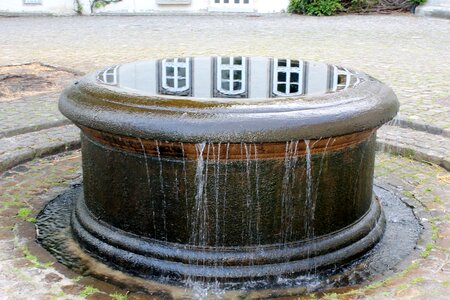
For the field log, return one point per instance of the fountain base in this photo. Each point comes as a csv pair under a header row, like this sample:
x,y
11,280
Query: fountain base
x,y
143,256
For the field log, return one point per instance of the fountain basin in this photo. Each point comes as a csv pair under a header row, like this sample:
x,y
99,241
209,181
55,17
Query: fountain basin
x,y
227,168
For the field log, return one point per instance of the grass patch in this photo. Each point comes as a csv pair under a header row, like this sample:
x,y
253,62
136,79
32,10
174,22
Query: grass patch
x,y
119,296
88,290
24,214
33,259
435,233
425,253
417,280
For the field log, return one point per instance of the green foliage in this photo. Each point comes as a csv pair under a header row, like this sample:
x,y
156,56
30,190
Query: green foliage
x,y
88,290
33,259
315,7
24,213
330,7
118,296
324,7
427,250
417,2
101,3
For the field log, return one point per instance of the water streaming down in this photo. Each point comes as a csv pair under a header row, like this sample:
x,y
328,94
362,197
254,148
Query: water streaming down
x,y
162,190
258,204
199,222
309,204
149,184
224,199
287,197
216,194
185,182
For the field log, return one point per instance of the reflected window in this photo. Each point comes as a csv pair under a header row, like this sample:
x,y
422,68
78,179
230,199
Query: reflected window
x,y
231,76
175,76
341,79
109,76
288,77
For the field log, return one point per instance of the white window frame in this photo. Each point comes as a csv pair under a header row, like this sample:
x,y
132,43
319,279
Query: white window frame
x,y
32,2
288,70
341,71
176,64
231,6
231,68
109,76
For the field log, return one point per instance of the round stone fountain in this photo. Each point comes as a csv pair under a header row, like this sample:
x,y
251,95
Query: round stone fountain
x,y
227,168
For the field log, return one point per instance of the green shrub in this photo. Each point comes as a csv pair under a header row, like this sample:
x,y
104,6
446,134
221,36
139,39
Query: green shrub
x,y
315,7
417,2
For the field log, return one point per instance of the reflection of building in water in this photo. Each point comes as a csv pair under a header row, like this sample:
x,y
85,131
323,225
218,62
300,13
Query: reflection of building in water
x,y
230,77
341,79
289,77
175,78
109,76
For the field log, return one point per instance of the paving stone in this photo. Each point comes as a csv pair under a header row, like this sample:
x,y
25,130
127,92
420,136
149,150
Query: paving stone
x,y
420,145
30,114
20,148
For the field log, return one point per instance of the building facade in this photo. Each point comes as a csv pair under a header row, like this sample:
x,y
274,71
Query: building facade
x,y
68,7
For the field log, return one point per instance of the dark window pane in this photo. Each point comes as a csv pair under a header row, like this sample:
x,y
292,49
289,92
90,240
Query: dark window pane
x,y
182,60
282,63
226,85
225,74
181,83
225,1
295,63
237,85
281,77
170,71
170,82
246,1
342,78
216,1
237,75
225,60
236,1
181,72
281,88
169,60
237,60
294,77
293,88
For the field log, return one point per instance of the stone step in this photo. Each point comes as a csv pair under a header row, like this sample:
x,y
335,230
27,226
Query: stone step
x,y
30,114
24,147
418,145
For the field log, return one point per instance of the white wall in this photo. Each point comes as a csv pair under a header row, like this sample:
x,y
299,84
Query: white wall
x,y
58,7
63,7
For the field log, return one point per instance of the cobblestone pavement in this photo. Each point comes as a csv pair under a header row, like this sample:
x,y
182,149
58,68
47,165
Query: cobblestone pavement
x,y
28,272
408,53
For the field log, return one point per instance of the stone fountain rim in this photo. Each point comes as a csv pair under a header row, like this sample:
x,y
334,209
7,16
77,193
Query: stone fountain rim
x,y
119,111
